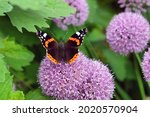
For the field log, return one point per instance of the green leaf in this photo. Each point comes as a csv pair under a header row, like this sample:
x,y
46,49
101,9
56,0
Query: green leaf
x,y
17,95
29,18
36,95
6,88
4,7
3,68
16,55
28,4
57,8
96,35
25,38
117,63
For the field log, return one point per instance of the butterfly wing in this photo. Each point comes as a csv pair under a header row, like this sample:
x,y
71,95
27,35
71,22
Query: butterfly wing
x,y
71,46
50,45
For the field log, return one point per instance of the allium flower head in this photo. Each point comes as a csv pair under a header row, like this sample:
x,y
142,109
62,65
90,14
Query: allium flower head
x,y
146,65
76,19
128,32
134,5
83,79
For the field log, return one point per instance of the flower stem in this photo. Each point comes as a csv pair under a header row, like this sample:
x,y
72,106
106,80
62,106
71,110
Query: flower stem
x,y
138,58
138,76
122,92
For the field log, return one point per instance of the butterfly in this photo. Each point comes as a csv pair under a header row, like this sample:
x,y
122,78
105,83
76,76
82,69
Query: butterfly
x,y
58,52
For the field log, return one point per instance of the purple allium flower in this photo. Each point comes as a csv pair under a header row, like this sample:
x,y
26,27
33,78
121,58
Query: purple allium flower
x,y
84,79
76,19
146,65
134,5
128,32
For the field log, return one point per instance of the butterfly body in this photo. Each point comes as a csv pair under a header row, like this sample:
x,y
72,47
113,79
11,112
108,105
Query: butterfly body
x,y
58,52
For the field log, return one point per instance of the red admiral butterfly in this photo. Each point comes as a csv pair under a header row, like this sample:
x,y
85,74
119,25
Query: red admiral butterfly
x,y
57,52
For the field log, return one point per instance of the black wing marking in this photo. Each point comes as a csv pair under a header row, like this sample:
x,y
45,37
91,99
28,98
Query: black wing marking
x,y
47,40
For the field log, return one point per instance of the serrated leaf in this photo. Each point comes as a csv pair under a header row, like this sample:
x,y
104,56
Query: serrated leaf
x,y
25,38
16,55
3,68
27,19
17,95
58,8
4,7
6,88
36,95
28,4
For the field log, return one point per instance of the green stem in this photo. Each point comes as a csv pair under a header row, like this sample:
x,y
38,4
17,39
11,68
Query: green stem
x,y
138,58
117,97
138,76
122,92
91,49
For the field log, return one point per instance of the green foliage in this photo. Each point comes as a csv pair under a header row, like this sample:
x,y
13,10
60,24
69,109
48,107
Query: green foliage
x,y
27,4
96,35
117,63
36,95
7,91
27,14
3,68
6,87
25,38
17,95
27,19
4,7
15,55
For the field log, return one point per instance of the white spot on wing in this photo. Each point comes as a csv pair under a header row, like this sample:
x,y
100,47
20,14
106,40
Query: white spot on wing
x,y
44,35
78,33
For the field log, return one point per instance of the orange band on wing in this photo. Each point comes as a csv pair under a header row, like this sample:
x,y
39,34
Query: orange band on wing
x,y
73,58
52,59
76,40
48,41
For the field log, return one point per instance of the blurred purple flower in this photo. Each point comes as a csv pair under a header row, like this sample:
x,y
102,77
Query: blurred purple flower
x,y
128,32
146,65
85,79
134,5
76,19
